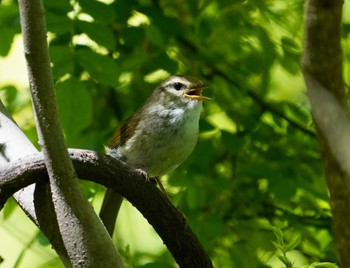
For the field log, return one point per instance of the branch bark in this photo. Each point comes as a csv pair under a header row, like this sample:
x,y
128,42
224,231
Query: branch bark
x,y
14,145
169,223
85,239
322,68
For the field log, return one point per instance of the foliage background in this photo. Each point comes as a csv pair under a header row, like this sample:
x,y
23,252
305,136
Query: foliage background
x,y
256,165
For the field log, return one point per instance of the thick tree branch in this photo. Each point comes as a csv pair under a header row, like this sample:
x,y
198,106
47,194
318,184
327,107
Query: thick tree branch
x,y
32,199
14,144
322,67
84,237
169,223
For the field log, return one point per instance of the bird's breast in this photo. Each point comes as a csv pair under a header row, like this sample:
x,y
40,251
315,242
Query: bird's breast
x,y
162,141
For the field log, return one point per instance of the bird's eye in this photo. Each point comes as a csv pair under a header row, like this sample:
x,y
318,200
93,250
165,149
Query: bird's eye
x,y
178,86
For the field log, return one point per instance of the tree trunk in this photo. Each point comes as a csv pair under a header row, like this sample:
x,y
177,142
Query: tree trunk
x,y
322,67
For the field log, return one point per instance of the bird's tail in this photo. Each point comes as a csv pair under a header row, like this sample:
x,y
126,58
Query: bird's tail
x,y
109,209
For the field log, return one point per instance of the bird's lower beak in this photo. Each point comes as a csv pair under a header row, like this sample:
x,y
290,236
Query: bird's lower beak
x,y
196,93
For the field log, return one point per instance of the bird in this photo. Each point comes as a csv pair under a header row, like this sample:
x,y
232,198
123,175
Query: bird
x,y
158,137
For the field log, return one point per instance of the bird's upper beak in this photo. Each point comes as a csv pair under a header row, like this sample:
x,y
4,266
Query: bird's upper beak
x,y
195,93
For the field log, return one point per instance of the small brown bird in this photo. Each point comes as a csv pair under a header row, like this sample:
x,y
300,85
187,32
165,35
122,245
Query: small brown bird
x,y
158,137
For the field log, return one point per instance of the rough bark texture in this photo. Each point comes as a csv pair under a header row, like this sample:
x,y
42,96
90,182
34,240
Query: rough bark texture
x,y
14,145
322,66
85,239
169,223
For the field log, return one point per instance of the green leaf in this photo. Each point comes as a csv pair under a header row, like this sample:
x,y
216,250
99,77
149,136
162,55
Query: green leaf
x,y
100,67
283,185
293,67
163,60
58,7
10,94
135,59
290,45
133,36
9,26
75,106
155,35
194,197
278,234
101,12
291,55
292,244
277,246
346,29
324,265
62,60
98,33
8,14
232,141
285,261
7,36
58,24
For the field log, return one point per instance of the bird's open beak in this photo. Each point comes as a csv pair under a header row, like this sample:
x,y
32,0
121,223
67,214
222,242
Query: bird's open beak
x,y
195,93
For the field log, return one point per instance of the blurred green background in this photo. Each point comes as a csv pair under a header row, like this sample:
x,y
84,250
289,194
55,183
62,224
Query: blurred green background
x,y
256,169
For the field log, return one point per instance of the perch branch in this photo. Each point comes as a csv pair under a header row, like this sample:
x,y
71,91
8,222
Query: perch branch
x,y
169,223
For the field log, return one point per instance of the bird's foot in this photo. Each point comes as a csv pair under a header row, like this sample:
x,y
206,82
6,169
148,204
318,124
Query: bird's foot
x,y
143,174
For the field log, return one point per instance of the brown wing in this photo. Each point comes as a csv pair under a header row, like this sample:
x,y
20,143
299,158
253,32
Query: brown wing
x,y
127,129
124,132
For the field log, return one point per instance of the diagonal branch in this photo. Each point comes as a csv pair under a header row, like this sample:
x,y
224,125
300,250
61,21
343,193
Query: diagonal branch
x,y
169,223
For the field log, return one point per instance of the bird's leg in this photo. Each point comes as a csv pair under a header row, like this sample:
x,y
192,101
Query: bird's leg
x,y
161,187
155,180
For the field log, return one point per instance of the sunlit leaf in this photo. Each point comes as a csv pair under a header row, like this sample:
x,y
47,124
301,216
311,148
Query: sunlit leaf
x,y
100,11
62,59
75,106
100,67
101,35
292,244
